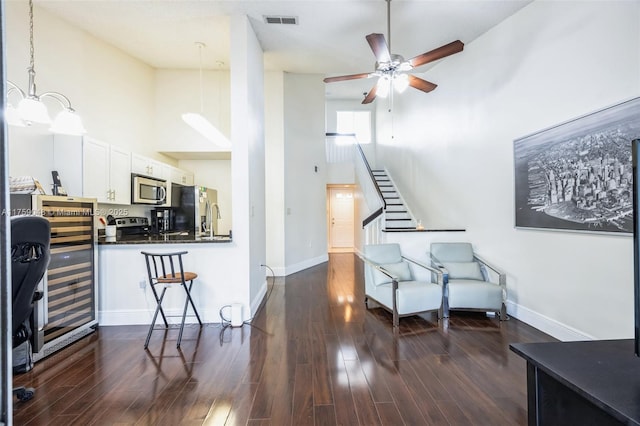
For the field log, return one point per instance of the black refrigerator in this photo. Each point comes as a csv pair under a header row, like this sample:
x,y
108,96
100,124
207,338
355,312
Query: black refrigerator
x,y
196,209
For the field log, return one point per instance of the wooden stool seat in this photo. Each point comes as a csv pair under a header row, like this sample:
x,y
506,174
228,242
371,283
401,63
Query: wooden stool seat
x,y
177,278
166,268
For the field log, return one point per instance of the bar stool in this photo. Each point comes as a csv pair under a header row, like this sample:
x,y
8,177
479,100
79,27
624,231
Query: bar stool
x,y
166,269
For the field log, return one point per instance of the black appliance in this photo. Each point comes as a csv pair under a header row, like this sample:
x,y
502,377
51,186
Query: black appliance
x,y
196,209
131,225
68,309
163,220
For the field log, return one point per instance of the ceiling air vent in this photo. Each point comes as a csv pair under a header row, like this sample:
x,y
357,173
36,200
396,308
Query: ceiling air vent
x,y
276,19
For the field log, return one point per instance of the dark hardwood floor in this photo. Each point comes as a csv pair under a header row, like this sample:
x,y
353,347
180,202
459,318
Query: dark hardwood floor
x,y
314,355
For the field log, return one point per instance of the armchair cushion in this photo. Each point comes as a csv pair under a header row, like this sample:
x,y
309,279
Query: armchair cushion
x,y
474,294
464,270
413,296
452,252
400,269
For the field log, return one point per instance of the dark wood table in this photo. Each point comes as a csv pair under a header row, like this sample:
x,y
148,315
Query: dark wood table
x,y
582,383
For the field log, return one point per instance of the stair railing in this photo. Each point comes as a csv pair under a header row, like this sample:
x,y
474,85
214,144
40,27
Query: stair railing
x,y
374,223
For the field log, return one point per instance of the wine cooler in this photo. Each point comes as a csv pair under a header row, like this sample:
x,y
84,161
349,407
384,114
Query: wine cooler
x,y
68,309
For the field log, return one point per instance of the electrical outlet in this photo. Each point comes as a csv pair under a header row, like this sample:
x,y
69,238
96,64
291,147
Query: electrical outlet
x,y
143,284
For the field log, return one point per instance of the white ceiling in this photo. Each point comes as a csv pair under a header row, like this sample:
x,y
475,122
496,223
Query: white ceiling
x,y
329,38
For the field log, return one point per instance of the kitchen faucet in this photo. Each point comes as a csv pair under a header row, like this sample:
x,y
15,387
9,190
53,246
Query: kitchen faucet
x,y
208,219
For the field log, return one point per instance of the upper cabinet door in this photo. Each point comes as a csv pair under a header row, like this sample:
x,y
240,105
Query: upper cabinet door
x,y
146,166
120,175
177,175
95,170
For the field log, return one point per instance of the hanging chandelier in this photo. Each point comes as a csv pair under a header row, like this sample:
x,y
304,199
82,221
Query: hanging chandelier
x,y
197,120
31,109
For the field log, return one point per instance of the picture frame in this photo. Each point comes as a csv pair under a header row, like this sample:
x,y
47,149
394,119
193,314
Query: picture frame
x,y
577,175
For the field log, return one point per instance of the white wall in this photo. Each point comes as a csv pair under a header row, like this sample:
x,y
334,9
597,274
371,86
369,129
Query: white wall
x,y
274,171
247,162
452,155
177,92
305,189
344,172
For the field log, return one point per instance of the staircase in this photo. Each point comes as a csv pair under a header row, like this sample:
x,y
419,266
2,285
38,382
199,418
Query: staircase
x,y
397,216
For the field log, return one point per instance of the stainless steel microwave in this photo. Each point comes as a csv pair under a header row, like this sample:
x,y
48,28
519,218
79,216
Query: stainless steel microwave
x,y
148,190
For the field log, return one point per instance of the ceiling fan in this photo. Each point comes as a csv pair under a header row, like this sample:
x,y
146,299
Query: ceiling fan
x,y
391,69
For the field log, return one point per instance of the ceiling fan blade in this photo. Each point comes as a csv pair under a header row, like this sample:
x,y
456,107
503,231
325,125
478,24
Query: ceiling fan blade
x,y
346,77
371,95
420,84
435,54
379,46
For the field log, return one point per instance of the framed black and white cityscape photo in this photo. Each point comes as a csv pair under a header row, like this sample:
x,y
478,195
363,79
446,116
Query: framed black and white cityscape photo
x,y
577,176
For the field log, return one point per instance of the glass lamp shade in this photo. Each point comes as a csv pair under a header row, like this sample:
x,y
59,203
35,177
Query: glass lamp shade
x,y
382,89
12,117
34,111
401,82
67,122
206,129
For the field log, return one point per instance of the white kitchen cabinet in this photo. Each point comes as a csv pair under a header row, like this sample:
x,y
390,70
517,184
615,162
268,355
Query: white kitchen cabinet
x,y
176,175
120,175
92,168
146,166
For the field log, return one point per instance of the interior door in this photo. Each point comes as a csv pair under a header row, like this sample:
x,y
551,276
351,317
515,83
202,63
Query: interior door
x,y
341,221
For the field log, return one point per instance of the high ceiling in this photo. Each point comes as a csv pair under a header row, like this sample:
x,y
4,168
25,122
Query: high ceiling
x,y
329,38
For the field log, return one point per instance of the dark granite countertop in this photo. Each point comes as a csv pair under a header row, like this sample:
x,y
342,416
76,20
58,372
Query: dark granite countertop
x,y
173,238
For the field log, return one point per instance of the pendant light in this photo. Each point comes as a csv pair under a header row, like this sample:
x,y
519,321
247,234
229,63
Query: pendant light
x,y
198,122
31,109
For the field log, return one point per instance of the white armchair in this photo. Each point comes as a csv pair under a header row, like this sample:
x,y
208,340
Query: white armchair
x,y
470,283
389,281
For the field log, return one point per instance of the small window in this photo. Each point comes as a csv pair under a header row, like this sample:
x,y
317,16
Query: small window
x,y
358,122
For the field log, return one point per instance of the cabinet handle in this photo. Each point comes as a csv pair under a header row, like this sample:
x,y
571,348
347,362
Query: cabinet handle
x,y
113,195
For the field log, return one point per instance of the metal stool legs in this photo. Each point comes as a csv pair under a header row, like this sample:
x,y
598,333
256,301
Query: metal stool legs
x,y
184,313
166,269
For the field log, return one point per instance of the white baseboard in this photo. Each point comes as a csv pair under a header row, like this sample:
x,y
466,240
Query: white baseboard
x,y
279,271
292,269
258,299
144,317
545,324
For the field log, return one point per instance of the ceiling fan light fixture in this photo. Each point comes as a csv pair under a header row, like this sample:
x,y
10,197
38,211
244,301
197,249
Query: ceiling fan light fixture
x,y
391,68
383,87
400,82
